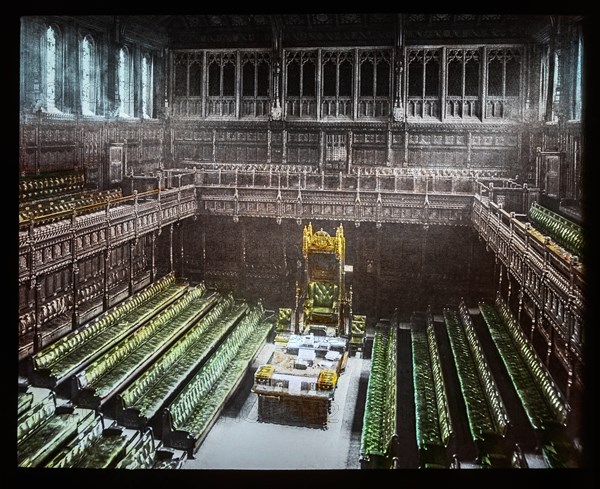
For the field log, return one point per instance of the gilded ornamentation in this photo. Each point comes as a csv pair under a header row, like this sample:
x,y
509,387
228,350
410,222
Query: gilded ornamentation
x,y
322,242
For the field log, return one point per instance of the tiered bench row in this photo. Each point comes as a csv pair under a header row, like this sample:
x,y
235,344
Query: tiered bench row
x,y
486,413
379,422
433,423
541,398
63,358
189,417
94,385
171,356
563,231
52,436
143,399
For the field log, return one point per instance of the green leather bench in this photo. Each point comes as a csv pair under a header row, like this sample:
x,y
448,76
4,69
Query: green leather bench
x,y
60,360
72,452
106,451
34,187
541,398
101,379
141,401
188,417
433,423
24,402
562,231
42,431
486,412
43,211
140,453
539,411
379,420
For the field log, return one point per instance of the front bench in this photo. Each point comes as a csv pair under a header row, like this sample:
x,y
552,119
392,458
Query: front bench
x,y
379,420
187,420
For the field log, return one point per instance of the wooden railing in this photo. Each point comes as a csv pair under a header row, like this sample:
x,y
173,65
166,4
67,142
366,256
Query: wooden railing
x,y
301,107
220,106
423,108
336,107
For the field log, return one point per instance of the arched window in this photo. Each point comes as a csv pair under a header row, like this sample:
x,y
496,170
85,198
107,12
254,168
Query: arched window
x,y
556,87
147,86
578,81
124,92
88,76
301,83
53,70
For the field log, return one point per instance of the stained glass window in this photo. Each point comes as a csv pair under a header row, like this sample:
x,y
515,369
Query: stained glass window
x,y
124,84
578,82
88,88
147,86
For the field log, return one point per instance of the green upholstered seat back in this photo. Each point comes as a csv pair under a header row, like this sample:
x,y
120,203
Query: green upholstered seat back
x,y
285,314
359,325
284,318
324,294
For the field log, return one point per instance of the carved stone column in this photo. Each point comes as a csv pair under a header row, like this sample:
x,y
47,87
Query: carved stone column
x,y
349,137
321,150
203,253
277,101
398,109
243,263
533,322
549,343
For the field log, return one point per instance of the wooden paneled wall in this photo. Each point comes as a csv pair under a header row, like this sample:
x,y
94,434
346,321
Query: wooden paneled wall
x,y
56,145
402,266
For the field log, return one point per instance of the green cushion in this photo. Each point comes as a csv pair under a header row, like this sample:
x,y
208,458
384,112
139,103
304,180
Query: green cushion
x,y
323,294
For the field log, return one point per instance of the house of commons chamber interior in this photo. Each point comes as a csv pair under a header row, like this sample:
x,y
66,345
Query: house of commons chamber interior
x,y
338,241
